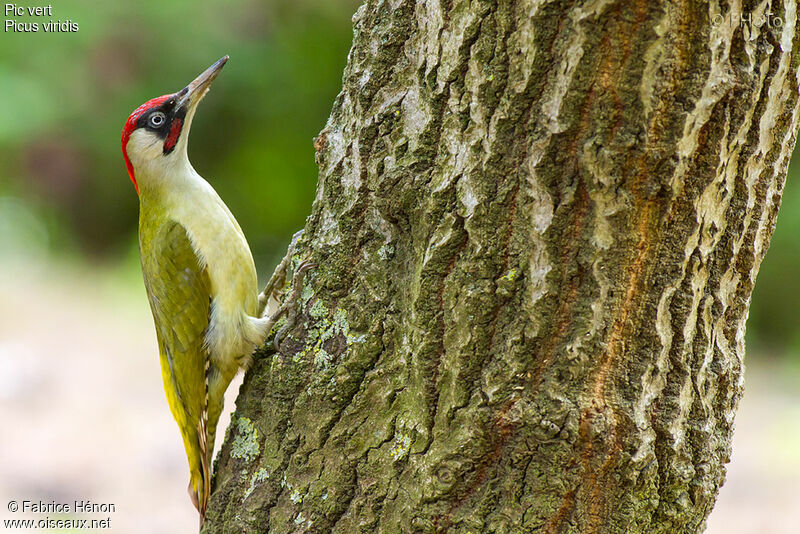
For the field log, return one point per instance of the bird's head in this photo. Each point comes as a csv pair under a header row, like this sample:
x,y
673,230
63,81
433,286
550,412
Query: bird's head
x,y
156,133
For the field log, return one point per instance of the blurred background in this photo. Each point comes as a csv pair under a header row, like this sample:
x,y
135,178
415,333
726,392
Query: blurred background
x,y
82,409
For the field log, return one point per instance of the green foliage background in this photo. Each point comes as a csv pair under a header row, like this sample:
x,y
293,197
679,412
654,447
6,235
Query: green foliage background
x,y
64,98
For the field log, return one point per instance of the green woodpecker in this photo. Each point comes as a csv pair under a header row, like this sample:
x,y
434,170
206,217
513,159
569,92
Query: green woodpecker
x,y
198,272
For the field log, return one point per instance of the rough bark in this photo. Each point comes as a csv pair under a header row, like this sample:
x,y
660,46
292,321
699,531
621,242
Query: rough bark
x,y
538,225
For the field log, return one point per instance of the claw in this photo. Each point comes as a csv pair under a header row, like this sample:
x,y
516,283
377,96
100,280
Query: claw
x,y
289,304
276,341
305,266
278,278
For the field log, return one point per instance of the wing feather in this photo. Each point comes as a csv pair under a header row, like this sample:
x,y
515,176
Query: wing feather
x,y
179,290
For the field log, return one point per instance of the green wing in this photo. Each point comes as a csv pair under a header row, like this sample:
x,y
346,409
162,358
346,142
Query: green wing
x,y
179,292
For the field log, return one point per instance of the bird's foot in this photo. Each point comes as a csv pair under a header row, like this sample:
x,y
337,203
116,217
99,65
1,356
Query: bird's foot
x,y
278,278
291,301
289,305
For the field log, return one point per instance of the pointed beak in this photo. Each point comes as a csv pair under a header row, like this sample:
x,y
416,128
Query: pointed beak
x,y
192,94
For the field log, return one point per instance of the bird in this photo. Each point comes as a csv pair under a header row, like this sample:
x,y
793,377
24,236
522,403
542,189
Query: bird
x,y
198,272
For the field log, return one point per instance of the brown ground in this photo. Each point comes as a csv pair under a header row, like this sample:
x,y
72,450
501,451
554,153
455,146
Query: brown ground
x,y
84,415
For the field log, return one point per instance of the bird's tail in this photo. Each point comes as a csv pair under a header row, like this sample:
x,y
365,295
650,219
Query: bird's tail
x,y
200,483
200,489
205,464
203,491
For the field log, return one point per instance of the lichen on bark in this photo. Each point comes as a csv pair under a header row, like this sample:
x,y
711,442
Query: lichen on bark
x,y
537,229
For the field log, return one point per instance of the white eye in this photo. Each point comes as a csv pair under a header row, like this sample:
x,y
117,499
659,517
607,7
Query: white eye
x,y
157,119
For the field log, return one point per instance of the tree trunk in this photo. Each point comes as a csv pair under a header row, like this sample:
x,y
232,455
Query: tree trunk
x,y
538,225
